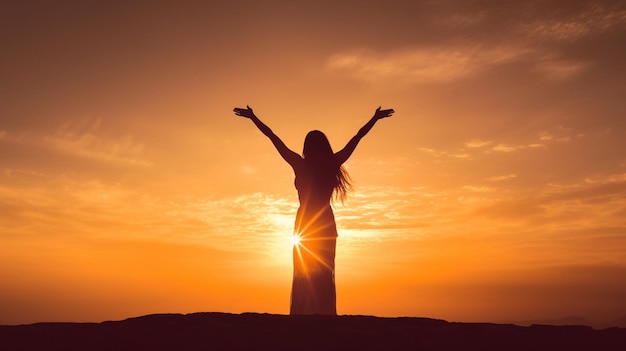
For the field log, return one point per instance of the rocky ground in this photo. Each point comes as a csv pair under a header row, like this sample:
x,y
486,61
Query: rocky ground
x,y
251,331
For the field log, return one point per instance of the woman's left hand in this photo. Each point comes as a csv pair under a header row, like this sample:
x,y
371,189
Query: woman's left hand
x,y
383,113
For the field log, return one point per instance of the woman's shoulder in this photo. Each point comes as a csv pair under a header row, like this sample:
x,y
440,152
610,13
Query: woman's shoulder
x,y
298,165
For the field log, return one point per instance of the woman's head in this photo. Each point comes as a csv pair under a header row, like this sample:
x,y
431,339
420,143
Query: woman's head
x,y
316,146
319,155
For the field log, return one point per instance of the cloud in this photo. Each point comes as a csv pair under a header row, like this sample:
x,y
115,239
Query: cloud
x,y
559,207
478,143
442,65
497,217
426,65
560,134
545,136
462,155
476,149
556,69
84,140
596,18
255,222
464,20
503,148
608,190
442,153
56,206
37,205
536,40
501,177
3,133
433,152
247,169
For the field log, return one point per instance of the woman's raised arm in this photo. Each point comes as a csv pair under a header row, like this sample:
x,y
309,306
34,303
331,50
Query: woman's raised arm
x,y
342,155
291,157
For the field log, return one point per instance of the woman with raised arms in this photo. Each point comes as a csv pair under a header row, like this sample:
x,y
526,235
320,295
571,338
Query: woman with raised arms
x,y
319,178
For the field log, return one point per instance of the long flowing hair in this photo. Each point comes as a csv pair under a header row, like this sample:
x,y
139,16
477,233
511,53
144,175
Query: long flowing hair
x,y
318,155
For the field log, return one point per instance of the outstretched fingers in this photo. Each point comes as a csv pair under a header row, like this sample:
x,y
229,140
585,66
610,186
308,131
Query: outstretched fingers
x,y
388,112
383,113
244,112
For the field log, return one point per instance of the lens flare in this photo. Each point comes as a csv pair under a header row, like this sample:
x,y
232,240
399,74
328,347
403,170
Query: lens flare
x,y
295,240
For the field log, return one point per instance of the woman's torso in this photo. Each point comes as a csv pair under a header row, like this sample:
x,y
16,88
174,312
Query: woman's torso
x,y
315,188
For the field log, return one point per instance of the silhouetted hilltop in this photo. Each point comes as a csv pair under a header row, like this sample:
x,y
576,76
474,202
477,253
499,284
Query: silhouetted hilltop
x,y
251,331
573,320
620,322
567,321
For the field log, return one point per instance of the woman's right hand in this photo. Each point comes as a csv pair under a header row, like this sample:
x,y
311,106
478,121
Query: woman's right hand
x,y
383,113
244,112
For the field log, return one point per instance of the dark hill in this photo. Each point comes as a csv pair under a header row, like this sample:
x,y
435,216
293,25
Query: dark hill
x,y
573,320
620,322
250,331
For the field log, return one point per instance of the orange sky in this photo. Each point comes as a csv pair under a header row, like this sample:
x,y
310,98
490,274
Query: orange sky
x,y
495,193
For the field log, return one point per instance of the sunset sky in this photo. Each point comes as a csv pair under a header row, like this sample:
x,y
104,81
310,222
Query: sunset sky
x,y
497,191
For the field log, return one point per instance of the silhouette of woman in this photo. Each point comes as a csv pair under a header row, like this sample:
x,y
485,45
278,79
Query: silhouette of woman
x,y
319,175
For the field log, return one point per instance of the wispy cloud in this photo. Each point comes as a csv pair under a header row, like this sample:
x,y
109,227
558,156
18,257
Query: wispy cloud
x,y
55,206
560,134
84,140
476,147
556,69
247,169
477,143
426,65
464,20
254,222
597,18
503,148
453,63
462,60
584,204
498,213
458,154
501,177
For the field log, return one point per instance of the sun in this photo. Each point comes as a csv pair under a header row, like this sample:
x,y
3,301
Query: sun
x,y
295,240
